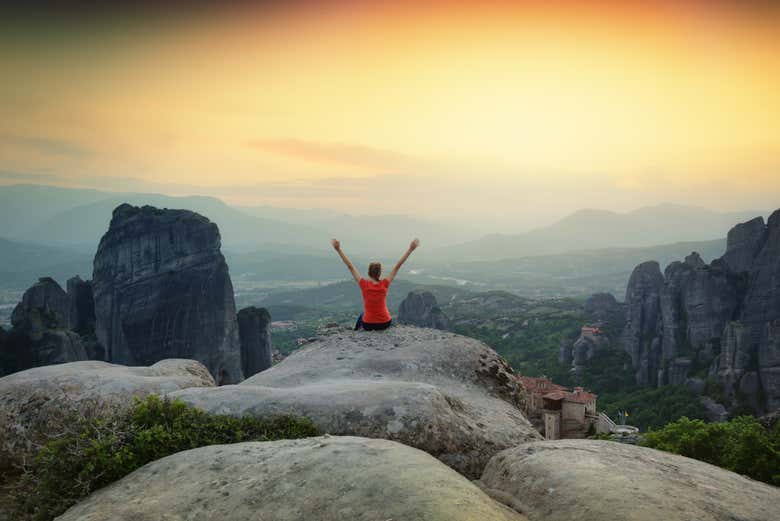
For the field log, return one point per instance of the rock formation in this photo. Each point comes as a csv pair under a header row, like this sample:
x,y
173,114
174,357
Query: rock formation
x,y
29,398
643,313
602,310
40,334
81,306
46,299
446,394
254,330
602,307
162,289
419,308
597,480
325,479
720,319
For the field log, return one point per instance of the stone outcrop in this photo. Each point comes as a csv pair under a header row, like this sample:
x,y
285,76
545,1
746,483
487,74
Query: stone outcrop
x,y
420,308
48,300
448,395
597,480
720,319
81,306
743,243
40,334
29,398
641,336
254,331
162,290
602,307
325,478
602,310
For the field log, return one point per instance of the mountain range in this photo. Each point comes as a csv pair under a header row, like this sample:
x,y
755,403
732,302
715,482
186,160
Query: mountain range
x,y
592,229
54,231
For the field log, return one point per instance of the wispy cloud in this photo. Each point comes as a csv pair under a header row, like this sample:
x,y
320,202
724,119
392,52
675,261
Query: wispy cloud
x,y
343,154
57,147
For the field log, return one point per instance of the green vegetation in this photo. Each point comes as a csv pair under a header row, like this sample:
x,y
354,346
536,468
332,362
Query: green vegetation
x,y
652,408
741,445
92,451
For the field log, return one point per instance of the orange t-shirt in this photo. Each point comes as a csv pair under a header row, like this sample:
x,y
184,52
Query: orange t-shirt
x,y
375,301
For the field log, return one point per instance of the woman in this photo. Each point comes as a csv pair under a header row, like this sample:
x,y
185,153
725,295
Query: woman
x,y
375,315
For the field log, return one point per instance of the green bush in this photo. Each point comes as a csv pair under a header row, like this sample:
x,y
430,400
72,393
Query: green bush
x,y
741,445
652,408
93,451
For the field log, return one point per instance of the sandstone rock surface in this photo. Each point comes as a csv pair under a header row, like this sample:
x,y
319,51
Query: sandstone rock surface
x,y
585,480
449,395
420,308
325,479
162,290
28,397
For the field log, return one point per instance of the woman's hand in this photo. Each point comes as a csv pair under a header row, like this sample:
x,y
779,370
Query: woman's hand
x,y
414,244
336,244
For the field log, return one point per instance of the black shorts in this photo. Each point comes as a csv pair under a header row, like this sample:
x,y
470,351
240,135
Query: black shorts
x,y
368,326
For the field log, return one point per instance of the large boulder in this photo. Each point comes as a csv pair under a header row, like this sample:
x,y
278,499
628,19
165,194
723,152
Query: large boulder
x,y
29,399
446,394
254,331
162,290
596,480
420,308
325,478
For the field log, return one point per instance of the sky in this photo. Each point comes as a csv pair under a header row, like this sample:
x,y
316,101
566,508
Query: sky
x,y
510,114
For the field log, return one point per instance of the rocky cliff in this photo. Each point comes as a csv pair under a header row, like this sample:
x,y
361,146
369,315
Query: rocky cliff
x,y
420,308
162,290
717,320
254,331
40,334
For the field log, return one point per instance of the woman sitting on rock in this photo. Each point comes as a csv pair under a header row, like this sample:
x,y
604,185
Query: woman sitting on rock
x,y
375,315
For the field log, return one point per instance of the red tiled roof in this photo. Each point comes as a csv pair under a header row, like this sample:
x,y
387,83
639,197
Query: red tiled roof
x,y
579,397
555,395
532,384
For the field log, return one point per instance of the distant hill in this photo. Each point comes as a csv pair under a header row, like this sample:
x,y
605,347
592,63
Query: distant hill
x,y
575,273
21,264
72,217
597,229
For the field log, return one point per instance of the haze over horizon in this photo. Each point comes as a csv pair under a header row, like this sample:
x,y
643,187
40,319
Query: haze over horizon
x,y
509,115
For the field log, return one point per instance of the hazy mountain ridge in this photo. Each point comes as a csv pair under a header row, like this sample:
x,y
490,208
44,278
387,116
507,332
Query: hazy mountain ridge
x,y
591,229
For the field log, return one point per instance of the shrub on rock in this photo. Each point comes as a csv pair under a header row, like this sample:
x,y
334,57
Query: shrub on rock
x,y
90,450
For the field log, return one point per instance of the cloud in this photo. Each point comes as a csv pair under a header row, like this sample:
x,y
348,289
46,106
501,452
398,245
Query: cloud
x,y
47,146
342,154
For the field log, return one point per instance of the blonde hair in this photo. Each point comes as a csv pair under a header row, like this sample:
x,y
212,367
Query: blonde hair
x,y
375,270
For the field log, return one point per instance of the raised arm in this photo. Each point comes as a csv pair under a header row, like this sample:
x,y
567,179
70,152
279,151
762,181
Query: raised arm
x,y
413,246
337,246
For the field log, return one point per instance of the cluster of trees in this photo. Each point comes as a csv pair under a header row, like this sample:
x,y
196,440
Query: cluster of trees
x,y
742,445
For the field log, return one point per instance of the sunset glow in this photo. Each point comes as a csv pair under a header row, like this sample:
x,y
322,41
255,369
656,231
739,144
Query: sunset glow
x,y
514,109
